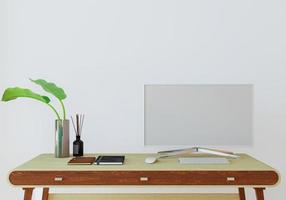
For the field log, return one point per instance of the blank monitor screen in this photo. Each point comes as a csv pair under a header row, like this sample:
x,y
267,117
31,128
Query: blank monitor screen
x,y
198,114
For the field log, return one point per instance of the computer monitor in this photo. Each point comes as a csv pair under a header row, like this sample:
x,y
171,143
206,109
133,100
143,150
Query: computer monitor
x,y
209,114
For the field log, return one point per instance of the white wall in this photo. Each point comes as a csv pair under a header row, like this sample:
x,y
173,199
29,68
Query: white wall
x,y
103,52
2,39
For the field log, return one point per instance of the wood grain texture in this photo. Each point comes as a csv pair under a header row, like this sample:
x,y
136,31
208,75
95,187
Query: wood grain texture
x,y
143,178
259,193
28,193
45,194
144,197
241,193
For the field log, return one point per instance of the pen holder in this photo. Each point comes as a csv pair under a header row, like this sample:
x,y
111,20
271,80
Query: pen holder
x,y
62,138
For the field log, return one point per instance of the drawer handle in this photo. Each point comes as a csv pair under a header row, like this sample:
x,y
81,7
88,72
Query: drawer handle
x,y
143,178
230,178
58,178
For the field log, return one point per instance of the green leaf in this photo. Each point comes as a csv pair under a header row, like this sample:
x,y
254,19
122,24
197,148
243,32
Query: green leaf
x,y
51,88
54,90
16,92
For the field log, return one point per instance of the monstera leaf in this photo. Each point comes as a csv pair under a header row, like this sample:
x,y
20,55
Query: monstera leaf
x,y
16,92
51,88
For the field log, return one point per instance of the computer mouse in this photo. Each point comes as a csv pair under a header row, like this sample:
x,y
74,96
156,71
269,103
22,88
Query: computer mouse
x,y
150,160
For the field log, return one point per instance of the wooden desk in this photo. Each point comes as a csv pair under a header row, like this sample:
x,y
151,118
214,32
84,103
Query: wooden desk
x,y
47,171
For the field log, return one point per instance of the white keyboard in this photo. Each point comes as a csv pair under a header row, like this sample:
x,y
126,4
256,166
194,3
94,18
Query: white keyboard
x,y
203,161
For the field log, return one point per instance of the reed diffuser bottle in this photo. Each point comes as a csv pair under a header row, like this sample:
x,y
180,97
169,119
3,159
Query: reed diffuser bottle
x,y
78,143
78,147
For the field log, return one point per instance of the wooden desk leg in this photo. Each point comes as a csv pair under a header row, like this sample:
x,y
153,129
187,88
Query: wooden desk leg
x,y
28,193
259,193
241,193
45,195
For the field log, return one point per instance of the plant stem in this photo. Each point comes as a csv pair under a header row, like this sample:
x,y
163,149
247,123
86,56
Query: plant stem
x,y
52,107
64,110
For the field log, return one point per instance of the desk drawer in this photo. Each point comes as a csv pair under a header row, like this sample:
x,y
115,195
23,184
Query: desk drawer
x,y
143,177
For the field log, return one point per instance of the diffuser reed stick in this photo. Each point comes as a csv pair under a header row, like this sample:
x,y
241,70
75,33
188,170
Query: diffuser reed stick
x,y
78,124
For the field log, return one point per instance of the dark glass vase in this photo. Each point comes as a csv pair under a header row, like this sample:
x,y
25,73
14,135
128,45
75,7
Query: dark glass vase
x,y
78,147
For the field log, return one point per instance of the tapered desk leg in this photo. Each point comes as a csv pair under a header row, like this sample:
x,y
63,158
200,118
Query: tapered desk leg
x,y
45,195
28,193
259,193
241,193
